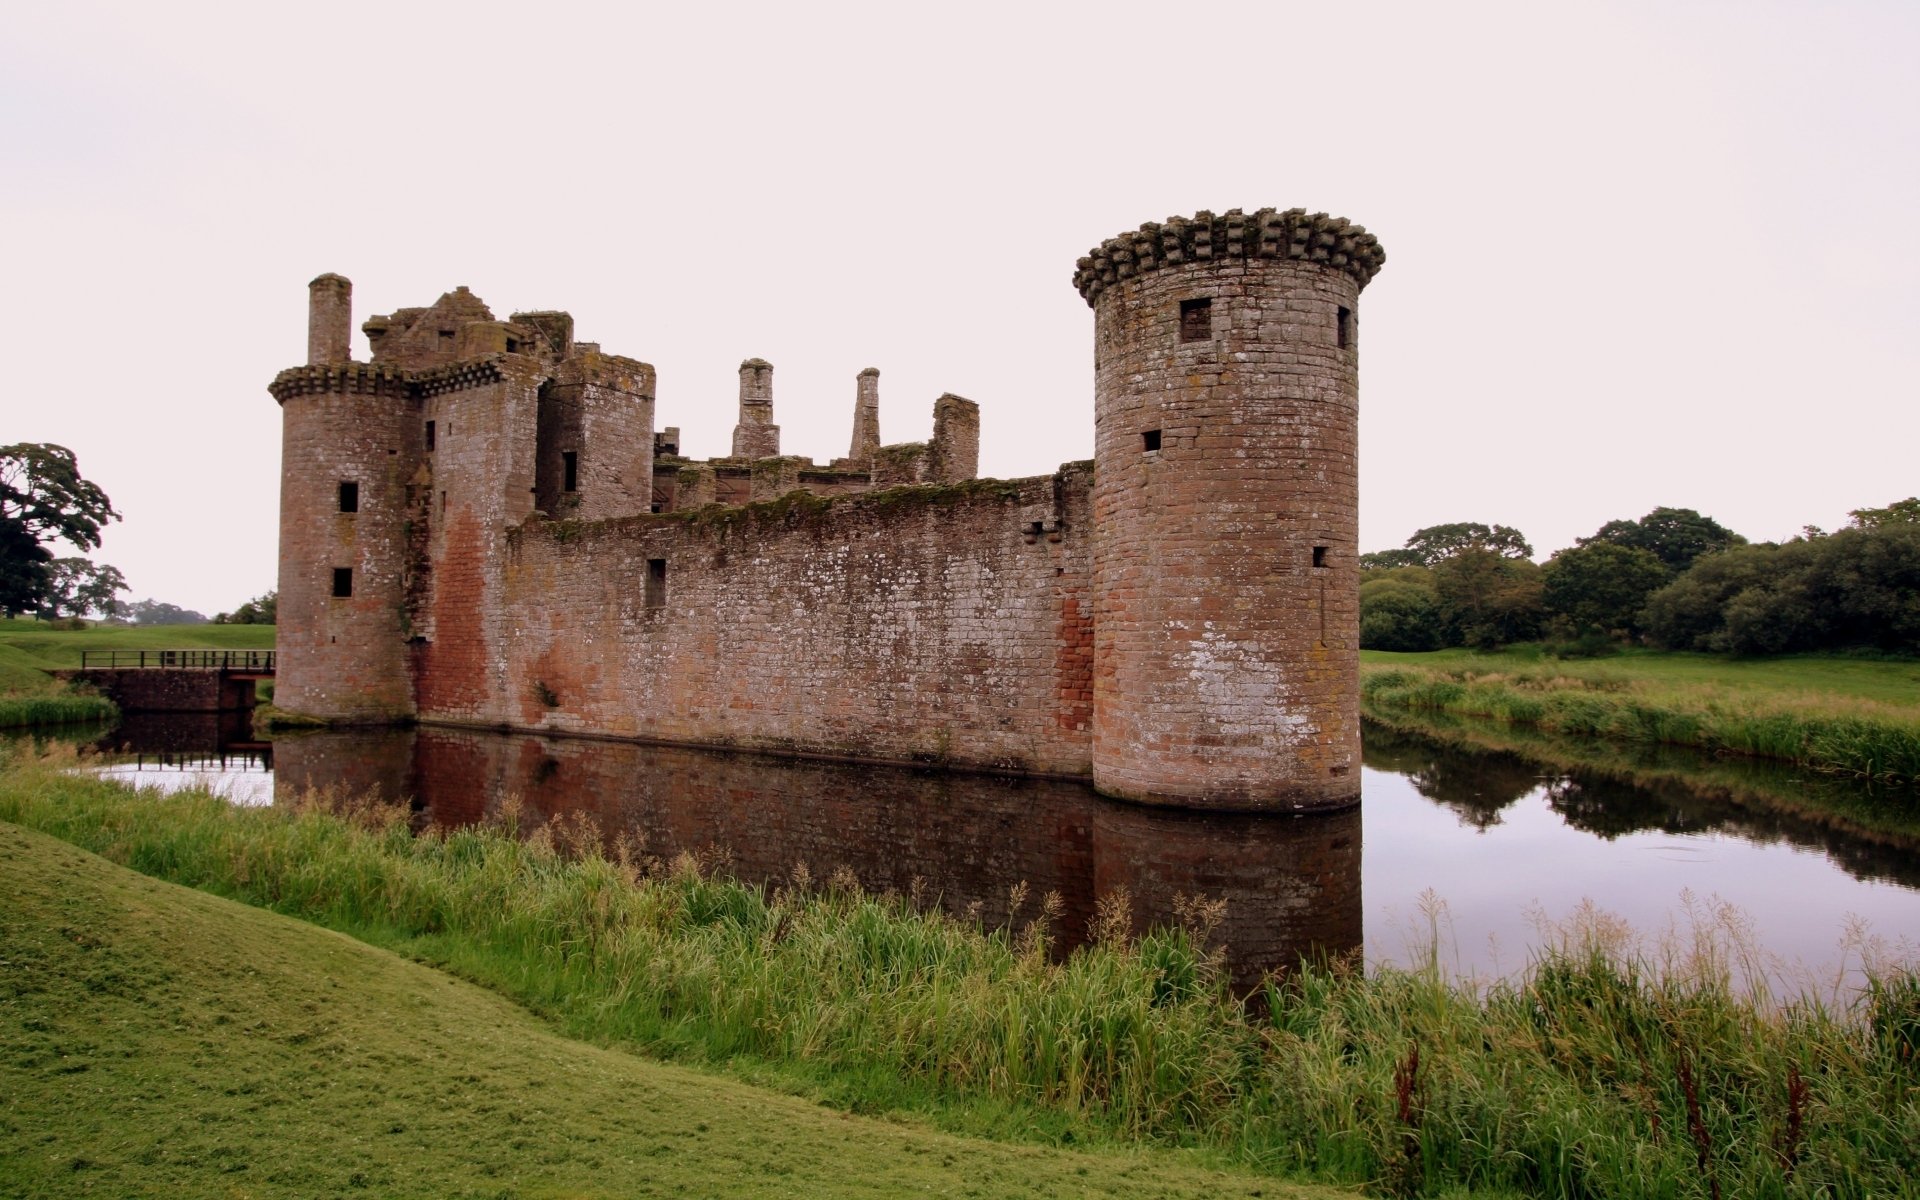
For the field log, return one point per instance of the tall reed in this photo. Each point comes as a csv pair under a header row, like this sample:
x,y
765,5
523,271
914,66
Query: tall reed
x,y
20,712
1599,1072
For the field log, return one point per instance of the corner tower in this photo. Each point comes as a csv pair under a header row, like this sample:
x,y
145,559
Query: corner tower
x,y
1225,495
349,446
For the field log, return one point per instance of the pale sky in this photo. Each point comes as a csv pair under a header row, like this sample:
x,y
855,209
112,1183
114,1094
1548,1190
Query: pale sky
x,y
1637,254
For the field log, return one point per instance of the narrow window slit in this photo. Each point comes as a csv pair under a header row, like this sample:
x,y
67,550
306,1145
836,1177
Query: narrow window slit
x,y
1320,557
342,582
349,496
570,467
1343,328
429,435
656,583
1196,320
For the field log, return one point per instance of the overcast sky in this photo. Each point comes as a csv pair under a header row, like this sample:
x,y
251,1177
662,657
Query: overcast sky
x,y
1636,254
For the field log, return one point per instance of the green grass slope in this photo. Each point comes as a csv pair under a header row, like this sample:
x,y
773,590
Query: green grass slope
x,y
1893,681
1855,717
36,645
158,1041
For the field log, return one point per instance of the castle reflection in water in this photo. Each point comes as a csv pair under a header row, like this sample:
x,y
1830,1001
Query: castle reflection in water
x,y
1291,884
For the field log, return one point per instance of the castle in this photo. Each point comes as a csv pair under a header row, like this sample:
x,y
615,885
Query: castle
x,y
482,526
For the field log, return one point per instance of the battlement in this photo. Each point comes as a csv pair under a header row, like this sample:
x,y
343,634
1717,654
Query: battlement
x,y
1205,237
359,378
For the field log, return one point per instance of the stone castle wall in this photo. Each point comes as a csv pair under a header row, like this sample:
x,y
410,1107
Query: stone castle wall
x,y
926,625
1182,625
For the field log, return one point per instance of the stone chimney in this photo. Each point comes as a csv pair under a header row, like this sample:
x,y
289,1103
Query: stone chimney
x,y
329,320
866,416
756,436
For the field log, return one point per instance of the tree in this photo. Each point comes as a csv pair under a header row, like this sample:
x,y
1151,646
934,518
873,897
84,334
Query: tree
x,y
42,499
1488,599
1899,512
1437,543
23,571
1388,560
153,612
1676,536
76,587
261,610
1601,586
1857,588
1399,610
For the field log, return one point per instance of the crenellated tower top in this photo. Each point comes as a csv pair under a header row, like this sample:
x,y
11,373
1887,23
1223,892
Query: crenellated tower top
x,y
1266,233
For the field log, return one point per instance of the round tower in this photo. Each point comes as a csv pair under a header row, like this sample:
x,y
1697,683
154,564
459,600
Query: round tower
x,y
1225,546
350,450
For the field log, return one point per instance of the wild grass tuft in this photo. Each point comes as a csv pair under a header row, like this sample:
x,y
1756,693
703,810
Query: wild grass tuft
x,y
19,712
1600,1071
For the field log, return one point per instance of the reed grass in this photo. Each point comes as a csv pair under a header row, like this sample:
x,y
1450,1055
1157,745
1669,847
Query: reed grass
x,y
1601,1071
59,708
1847,735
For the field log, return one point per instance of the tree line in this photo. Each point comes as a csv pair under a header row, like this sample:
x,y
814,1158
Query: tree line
x,y
1673,579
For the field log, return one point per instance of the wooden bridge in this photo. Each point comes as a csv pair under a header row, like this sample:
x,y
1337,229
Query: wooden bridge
x,y
193,680
256,664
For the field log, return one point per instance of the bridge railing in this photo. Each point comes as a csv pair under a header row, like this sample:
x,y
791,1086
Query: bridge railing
x,y
177,660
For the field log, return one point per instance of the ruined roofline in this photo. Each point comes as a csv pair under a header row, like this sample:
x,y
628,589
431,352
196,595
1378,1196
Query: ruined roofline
x,y
1267,233
789,507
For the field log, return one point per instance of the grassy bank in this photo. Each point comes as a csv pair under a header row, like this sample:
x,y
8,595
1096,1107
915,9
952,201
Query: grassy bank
x,y
28,645
1855,717
1592,1077
163,1042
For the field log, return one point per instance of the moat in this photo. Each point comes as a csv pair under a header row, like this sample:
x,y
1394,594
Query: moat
x,y
1505,842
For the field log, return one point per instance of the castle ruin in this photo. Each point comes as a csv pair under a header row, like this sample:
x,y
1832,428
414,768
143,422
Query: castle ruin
x,y
482,526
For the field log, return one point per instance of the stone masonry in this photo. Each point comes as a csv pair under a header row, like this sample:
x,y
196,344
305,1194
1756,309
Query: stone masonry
x,y
482,526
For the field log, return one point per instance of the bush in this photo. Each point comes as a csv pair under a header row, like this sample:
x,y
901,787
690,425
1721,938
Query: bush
x,y
1400,613
1855,589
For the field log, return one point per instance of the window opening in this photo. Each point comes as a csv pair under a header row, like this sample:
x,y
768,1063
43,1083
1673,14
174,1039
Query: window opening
x,y
342,582
429,435
349,496
1343,327
1150,440
513,346
656,583
446,339
1196,320
570,466
1320,556
443,504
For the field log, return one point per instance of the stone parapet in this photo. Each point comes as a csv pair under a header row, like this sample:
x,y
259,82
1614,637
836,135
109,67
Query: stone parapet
x,y
350,377
457,377
1267,233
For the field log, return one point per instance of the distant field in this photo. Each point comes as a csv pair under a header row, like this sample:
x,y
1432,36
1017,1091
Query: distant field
x,y
1851,716
29,649
1891,681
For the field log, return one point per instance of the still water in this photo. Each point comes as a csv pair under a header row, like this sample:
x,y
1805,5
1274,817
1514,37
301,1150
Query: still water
x,y
1484,850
